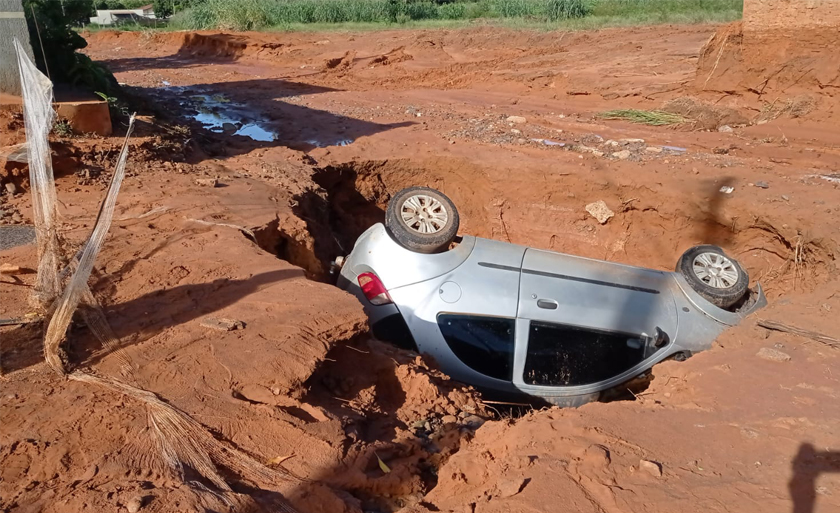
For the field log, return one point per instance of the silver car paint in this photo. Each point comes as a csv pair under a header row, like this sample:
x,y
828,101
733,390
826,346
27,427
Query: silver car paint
x,y
491,278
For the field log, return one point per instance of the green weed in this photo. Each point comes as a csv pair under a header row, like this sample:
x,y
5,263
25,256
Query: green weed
x,y
62,128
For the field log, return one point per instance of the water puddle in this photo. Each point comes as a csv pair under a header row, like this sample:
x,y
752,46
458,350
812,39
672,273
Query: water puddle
x,y
220,115
324,144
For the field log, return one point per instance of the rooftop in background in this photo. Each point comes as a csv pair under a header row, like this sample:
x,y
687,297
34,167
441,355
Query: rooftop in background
x,y
139,15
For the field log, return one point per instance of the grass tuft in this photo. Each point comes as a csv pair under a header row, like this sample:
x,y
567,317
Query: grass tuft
x,y
645,117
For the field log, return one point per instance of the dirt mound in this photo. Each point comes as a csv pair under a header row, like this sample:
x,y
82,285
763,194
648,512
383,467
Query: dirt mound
x,y
650,230
393,57
769,64
704,116
671,447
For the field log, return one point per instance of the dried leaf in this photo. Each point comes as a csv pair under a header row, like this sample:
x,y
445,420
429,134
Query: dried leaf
x,y
382,464
278,460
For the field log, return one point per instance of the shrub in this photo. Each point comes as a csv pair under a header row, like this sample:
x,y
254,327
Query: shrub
x,y
54,30
567,9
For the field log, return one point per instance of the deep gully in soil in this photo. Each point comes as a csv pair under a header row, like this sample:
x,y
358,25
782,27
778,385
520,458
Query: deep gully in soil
x,y
650,230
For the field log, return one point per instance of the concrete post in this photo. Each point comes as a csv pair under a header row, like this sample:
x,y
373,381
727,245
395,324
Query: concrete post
x,y
12,25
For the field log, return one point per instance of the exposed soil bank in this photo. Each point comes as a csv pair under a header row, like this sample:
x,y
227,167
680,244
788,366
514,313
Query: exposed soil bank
x,y
301,388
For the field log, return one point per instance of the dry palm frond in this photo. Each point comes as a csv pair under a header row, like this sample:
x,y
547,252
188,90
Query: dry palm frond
x,y
645,117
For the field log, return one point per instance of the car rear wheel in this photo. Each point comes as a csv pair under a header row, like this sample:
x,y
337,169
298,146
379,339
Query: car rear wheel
x,y
716,277
422,219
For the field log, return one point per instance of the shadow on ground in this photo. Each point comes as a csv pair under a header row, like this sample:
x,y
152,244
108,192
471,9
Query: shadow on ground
x,y
807,466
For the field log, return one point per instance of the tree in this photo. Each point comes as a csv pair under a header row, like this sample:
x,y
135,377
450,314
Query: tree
x,y
164,8
54,43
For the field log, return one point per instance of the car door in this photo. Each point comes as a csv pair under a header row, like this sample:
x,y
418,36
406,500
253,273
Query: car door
x,y
466,317
583,322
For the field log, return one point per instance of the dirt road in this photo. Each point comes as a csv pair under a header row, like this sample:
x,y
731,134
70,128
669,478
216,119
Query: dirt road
x,y
308,135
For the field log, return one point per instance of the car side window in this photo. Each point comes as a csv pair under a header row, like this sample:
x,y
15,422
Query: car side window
x,y
485,344
562,355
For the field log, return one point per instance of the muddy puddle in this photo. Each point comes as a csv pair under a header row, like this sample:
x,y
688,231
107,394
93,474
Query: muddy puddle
x,y
219,114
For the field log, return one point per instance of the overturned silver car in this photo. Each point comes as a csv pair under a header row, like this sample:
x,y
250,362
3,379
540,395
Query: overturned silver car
x,y
516,320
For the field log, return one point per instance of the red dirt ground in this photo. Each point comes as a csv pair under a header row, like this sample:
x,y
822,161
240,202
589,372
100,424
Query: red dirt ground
x,y
728,430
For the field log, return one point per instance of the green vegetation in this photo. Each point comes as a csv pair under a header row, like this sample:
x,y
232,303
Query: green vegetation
x,y
53,39
645,117
62,128
286,14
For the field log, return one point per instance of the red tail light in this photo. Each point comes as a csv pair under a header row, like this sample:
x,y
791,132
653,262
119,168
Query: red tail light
x,y
374,289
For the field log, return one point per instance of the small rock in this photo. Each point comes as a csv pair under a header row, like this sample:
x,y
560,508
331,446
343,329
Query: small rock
x,y
774,355
611,143
633,141
11,188
623,154
516,119
510,487
726,189
785,197
134,505
449,419
724,128
17,218
600,211
720,150
229,127
222,324
207,182
762,184
515,131
9,269
653,149
651,467
597,455
473,421
598,153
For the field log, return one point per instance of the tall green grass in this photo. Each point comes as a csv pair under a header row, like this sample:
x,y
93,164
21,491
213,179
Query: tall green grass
x,y
262,14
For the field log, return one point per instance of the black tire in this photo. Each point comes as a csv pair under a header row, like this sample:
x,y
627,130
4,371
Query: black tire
x,y
410,235
722,290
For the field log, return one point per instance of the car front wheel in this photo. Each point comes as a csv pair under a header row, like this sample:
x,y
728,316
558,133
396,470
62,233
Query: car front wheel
x,y
422,219
716,277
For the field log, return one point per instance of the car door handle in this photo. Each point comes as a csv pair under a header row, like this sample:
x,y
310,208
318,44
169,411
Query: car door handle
x,y
548,304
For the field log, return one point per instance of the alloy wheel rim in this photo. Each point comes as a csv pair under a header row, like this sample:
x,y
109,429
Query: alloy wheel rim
x,y
715,270
424,214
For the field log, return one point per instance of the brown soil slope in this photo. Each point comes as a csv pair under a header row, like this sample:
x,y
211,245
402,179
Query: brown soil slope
x,y
354,117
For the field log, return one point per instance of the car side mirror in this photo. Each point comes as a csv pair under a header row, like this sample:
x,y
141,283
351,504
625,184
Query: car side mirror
x,y
658,340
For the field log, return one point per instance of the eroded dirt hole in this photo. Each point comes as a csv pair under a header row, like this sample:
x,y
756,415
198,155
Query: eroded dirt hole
x,y
394,409
396,412
345,200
